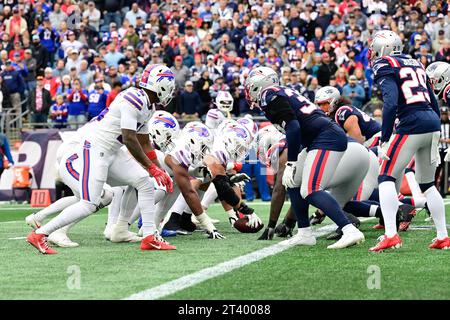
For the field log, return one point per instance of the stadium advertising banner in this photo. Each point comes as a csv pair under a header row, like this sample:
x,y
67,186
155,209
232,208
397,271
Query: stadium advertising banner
x,y
38,151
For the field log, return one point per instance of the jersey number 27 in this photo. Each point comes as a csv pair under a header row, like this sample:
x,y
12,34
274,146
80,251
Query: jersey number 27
x,y
418,80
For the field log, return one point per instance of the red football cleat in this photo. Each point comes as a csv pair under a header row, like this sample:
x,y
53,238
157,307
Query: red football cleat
x,y
378,227
443,244
39,241
156,242
385,243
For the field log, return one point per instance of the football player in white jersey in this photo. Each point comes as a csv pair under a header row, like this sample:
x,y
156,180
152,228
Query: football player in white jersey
x,y
214,117
123,123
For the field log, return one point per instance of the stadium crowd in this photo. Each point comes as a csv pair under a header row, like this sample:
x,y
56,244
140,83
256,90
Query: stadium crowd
x,y
71,58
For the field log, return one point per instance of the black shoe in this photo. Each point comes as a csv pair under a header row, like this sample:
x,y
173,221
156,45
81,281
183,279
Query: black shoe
x,y
283,231
354,220
336,235
267,234
186,222
406,213
173,223
317,218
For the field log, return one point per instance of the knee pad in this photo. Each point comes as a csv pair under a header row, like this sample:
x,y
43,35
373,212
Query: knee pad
x,y
224,190
106,197
425,186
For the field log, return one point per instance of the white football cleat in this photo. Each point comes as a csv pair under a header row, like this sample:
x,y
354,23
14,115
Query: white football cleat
x,y
33,222
304,237
60,239
120,233
107,232
351,236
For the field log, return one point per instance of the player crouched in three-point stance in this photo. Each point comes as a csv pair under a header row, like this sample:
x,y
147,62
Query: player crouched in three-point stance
x,y
306,126
123,123
408,96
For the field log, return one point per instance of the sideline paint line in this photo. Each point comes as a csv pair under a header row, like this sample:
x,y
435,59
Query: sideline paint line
x,y
200,276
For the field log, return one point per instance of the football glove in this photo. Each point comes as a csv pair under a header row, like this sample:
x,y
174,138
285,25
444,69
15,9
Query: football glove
x,y
232,217
447,155
317,218
267,234
215,235
161,177
283,231
288,176
383,150
253,220
239,177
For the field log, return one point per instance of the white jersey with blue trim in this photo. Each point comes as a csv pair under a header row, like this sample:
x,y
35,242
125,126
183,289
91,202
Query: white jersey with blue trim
x,y
220,152
131,109
182,154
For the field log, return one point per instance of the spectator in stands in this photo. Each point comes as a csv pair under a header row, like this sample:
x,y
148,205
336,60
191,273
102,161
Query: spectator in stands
x,y
14,85
181,73
326,70
189,103
59,112
40,53
5,152
93,15
30,64
16,25
97,99
115,90
50,82
57,16
77,104
135,12
40,103
219,85
354,92
202,88
66,85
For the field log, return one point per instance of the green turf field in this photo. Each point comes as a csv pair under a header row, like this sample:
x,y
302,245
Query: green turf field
x,y
99,269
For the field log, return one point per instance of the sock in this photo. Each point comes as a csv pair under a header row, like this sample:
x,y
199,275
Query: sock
x,y
300,207
128,204
272,224
437,210
134,216
231,213
114,206
73,213
389,206
209,197
349,228
358,208
324,201
179,206
146,202
55,207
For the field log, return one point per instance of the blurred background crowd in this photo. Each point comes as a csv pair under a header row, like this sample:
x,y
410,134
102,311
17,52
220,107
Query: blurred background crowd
x,y
63,61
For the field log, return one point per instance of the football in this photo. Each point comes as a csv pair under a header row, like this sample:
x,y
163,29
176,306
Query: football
x,y
241,226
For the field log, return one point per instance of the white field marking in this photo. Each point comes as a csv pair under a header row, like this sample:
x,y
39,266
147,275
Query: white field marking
x,y
200,276
16,209
17,238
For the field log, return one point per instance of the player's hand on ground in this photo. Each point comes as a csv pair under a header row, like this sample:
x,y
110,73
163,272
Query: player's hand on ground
x,y
253,220
383,150
215,235
232,217
289,173
267,234
161,177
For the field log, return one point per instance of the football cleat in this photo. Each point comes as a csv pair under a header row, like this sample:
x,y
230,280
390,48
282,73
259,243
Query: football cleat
x,y
107,232
267,234
168,233
348,239
378,226
302,240
156,242
60,239
283,230
33,222
386,243
39,241
122,234
443,244
407,213
336,235
317,218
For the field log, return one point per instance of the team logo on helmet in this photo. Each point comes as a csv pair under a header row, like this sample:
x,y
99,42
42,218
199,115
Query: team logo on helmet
x,y
240,132
168,74
168,122
202,132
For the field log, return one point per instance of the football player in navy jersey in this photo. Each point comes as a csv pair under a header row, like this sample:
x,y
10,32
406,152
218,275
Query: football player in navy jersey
x,y
439,74
306,126
356,123
408,96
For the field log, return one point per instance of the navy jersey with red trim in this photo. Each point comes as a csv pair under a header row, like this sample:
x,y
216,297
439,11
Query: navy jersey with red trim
x,y
317,130
367,125
406,96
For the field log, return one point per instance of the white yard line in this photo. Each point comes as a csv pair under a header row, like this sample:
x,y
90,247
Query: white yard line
x,y
17,238
222,268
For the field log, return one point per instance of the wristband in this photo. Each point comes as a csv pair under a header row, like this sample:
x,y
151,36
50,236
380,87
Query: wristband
x,y
151,155
237,166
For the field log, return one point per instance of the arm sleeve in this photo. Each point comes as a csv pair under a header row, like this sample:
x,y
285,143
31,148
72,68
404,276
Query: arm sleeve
x,y
390,98
433,100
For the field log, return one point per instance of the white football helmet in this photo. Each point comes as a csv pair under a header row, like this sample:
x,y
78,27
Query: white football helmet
x,y
163,129
268,140
439,74
328,94
199,139
236,140
160,80
249,124
226,123
257,80
385,43
224,101
214,118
